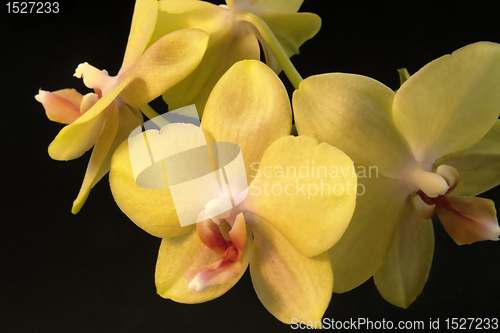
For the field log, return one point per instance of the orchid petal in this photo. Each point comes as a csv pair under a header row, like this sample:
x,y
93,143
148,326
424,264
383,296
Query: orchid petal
x,y
478,166
180,254
470,219
71,95
297,172
184,6
226,47
368,238
62,106
289,284
292,30
182,14
276,6
451,103
101,150
249,106
164,64
404,272
120,121
143,24
353,113
76,138
152,210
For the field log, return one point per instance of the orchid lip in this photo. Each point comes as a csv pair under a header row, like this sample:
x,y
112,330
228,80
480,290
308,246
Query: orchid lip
x,y
229,266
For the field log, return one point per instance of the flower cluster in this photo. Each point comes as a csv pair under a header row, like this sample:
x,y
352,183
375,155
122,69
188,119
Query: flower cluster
x,y
434,143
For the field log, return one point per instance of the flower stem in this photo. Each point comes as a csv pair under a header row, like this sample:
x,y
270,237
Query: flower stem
x,y
149,112
275,46
403,75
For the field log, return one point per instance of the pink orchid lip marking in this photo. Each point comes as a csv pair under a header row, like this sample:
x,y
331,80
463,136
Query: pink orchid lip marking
x,y
440,201
229,266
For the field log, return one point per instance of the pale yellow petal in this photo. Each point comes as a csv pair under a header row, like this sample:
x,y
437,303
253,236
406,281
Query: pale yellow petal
x,y
182,14
120,121
405,270
275,6
164,64
365,244
289,284
451,103
78,137
353,113
150,209
184,6
249,106
142,27
226,47
478,166
306,190
292,30
229,43
180,254
99,154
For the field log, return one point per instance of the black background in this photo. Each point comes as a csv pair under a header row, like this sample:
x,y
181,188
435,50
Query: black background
x,y
94,271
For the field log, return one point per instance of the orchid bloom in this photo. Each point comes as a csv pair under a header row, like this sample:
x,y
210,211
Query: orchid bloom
x,y
291,229
105,118
235,31
435,143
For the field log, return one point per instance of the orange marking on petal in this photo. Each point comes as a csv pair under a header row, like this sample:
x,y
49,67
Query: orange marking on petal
x,y
238,234
229,266
211,236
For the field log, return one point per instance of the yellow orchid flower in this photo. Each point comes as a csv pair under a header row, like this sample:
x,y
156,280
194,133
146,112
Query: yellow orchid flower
x,y
235,31
442,123
106,118
291,227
